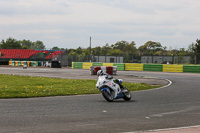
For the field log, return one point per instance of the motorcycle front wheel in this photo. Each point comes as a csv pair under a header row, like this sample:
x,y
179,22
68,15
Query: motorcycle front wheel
x,y
108,95
127,94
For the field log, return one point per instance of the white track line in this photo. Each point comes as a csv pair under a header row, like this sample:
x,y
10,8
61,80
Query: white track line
x,y
165,129
170,82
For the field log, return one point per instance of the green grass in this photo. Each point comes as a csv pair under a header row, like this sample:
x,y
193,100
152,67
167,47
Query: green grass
x,y
15,86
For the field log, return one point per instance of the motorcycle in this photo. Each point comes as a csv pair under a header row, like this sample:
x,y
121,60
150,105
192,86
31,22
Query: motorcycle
x,y
112,88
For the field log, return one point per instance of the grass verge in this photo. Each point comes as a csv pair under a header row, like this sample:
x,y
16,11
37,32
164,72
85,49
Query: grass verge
x,y
15,86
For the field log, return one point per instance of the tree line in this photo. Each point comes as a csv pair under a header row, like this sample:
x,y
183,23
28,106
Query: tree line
x,y
12,43
130,52
121,48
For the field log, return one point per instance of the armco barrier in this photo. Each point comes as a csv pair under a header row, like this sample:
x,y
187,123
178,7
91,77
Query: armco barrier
x,y
87,65
153,67
191,68
120,66
133,67
172,68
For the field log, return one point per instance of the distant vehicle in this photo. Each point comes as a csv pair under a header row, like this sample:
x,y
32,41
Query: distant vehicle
x,y
25,66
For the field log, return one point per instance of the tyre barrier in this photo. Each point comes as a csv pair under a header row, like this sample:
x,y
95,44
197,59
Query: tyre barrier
x,y
28,63
172,68
191,69
133,67
97,64
153,67
120,66
148,67
77,65
107,64
87,65
112,70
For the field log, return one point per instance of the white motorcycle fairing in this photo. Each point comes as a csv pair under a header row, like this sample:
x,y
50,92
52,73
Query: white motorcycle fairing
x,y
109,85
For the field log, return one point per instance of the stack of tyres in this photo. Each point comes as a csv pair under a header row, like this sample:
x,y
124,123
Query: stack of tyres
x,y
92,70
114,70
103,68
109,70
96,69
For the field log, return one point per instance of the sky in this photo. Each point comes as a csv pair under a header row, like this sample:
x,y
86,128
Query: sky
x,y
71,23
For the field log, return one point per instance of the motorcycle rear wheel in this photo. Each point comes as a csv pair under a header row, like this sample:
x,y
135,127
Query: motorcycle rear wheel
x,y
108,96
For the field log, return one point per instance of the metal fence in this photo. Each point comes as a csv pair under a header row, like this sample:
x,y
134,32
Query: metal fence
x,y
166,59
66,60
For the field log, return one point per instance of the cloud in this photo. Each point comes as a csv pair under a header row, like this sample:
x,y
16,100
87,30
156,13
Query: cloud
x,y
70,23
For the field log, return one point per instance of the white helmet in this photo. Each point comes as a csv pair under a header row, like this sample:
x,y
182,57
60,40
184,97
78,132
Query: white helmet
x,y
100,73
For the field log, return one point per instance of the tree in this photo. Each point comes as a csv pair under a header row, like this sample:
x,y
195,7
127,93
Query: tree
x,y
10,43
191,48
26,44
120,45
55,48
115,52
194,51
194,48
86,51
182,52
79,50
197,47
151,48
130,48
96,50
38,45
105,49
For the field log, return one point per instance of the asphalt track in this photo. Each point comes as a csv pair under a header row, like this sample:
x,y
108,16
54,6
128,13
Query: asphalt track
x,y
177,105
